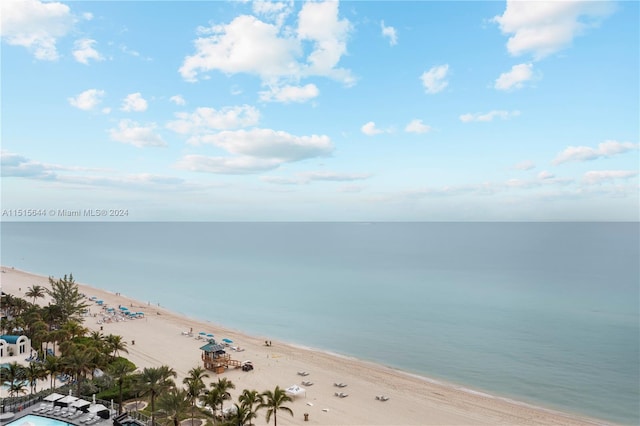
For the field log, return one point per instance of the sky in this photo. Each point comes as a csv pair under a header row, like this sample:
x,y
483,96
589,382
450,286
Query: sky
x,y
320,110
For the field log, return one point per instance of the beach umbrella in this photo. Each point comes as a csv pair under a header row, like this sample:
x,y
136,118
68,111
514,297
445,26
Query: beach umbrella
x,y
202,333
209,335
53,397
227,340
66,401
100,410
81,404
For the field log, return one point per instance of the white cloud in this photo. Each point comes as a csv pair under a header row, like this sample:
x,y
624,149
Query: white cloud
x,y
88,99
586,153
515,78
178,100
266,143
206,120
273,10
370,129
434,80
545,27
83,51
132,133
319,22
245,45
489,116
288,94
308,177
602,176
389,32
272,51
525,165
417,126
544,175
35,25
226,165
87,16
134,102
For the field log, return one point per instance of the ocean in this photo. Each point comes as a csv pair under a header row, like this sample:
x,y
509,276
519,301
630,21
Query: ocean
x,y
545,313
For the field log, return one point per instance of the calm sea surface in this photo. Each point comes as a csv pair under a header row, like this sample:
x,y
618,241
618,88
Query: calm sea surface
x,y
546,313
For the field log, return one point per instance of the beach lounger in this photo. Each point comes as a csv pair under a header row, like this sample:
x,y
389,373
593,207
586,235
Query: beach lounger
x,y
382,398
77,414
303,373
307,383
341,394
63,412
87,418
43,406
340,385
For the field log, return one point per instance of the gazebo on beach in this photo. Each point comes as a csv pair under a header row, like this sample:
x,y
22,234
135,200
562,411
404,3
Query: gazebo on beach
x,y
216,359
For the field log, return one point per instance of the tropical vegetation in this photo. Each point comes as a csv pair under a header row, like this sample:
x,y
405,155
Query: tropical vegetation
x,y
67,354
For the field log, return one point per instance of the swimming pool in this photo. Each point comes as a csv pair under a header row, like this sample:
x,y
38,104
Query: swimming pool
x,y
33,420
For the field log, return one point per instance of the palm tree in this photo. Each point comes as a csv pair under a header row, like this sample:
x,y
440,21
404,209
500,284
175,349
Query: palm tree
x,y
33,372
14,376
52,366
195,385
222,387
154,381
241,416
35,292
273,402
120,370
116,344
174,404
74,329
78,361
211,399
248,399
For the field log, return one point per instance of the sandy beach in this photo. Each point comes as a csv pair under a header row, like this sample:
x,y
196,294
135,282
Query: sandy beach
x,y
162,338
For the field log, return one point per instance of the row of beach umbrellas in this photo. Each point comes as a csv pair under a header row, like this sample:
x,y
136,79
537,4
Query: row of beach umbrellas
x,y
210,335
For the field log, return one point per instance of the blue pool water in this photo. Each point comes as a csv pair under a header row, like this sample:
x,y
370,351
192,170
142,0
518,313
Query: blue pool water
x,y
36,421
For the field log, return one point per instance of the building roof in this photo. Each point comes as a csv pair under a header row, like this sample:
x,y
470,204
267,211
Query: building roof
x,y
212,347
10,338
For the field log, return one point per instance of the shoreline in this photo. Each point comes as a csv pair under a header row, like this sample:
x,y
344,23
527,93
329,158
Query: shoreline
x,y
414,399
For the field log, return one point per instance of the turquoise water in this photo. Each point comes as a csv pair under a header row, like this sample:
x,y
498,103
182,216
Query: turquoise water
x,y
36,421
546,313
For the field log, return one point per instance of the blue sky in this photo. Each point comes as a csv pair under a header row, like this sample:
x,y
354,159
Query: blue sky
x,y
340,111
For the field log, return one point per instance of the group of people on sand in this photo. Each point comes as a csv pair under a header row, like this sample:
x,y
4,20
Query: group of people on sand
x,y
267,342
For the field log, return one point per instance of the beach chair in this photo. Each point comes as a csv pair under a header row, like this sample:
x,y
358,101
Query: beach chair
x,y
87,418
63,411
77,414
39,408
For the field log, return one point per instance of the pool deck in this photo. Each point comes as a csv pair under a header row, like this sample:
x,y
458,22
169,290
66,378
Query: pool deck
x,y
16,416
